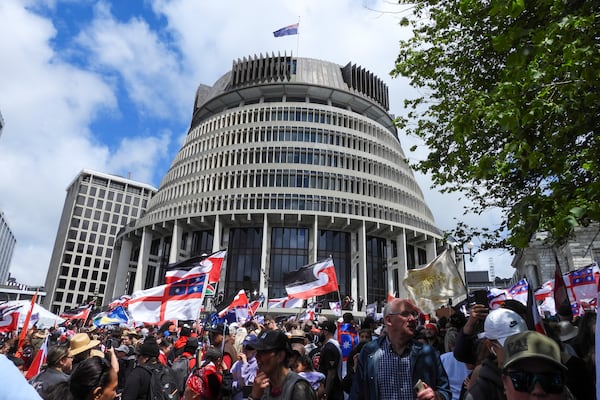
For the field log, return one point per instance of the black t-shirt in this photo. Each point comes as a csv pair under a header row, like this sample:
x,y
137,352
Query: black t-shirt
x,y
330,359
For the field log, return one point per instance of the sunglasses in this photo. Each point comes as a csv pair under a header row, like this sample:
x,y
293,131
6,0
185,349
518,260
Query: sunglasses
x,y
525,381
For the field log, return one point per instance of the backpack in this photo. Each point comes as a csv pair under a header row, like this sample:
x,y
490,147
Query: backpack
x,y
181,370
163,384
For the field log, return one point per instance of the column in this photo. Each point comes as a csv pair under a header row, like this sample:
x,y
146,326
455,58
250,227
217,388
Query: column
x,y
402,262
120,278
264,261
142,262
175,240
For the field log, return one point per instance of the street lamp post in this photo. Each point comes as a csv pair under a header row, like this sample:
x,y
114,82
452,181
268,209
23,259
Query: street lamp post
x,y
469,245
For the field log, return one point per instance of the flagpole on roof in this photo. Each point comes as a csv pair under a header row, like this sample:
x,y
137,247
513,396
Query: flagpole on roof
x,y
298,39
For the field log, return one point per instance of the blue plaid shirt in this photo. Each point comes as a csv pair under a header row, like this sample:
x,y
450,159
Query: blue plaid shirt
x,y
395,382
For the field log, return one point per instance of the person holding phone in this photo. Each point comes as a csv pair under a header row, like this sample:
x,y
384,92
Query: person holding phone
x,y
396,366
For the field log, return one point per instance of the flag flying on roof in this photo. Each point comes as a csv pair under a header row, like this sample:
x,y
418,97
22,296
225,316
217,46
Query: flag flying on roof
x,y
178,300
287,30
430,287
285,302
116,316
311,280
239,300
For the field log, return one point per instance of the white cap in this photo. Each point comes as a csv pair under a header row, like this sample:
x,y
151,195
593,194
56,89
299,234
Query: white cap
x,y
502,323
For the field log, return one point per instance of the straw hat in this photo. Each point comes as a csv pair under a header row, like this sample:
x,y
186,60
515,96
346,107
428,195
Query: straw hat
x,y
82,342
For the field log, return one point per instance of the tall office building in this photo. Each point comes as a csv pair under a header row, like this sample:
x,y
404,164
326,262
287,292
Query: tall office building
x,y
287,161
96,207
7,246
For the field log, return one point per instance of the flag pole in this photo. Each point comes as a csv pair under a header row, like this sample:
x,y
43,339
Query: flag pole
x,y
298,39
26,323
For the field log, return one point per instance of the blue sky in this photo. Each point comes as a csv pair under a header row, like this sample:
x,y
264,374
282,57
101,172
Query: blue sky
x,y
109,85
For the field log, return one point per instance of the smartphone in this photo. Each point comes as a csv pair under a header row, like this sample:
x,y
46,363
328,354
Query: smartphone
x,y
109,344
481,297
419,386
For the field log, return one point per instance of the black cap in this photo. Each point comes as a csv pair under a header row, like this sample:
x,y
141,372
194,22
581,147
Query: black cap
x,y
219,328
329,326
272,340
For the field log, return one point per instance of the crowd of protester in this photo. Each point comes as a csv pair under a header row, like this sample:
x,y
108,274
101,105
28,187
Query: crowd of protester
x,y
487,354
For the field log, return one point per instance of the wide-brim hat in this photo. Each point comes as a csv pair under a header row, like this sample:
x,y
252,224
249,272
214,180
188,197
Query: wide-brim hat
x,y
81,342
566,331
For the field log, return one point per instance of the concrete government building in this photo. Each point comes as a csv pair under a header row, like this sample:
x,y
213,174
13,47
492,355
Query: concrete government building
x,y
97,206
287,161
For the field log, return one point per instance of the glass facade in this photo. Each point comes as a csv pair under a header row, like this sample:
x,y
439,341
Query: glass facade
x,y
289,251
376,270
243,260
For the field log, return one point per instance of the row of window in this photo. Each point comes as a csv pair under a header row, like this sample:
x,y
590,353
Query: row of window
x,y
292,155
108,206
278,201
97,215
103,183
269,113
305,179
93,226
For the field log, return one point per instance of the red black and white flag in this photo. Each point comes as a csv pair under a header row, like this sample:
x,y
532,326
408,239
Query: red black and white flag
x,y
312,280
82,312
239,300
38,361
9,319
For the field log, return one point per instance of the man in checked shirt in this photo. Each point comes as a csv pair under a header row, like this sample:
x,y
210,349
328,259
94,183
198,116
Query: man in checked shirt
x,y
397,367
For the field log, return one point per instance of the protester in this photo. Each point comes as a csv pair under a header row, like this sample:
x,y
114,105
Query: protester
x,y
303,367
274,378
532,368
206,382
393,365
457,371
330,361
220,339
59,363
499,324
92,379
139,381
126,363
81,347
244,369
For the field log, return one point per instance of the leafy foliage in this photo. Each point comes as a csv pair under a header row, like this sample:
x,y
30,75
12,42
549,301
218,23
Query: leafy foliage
x,y
511,109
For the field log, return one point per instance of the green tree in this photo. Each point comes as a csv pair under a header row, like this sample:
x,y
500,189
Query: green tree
x,y
510,109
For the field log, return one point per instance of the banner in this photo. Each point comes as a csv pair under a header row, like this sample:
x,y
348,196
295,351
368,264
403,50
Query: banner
x,y
212,264
430,287
239,300
115,316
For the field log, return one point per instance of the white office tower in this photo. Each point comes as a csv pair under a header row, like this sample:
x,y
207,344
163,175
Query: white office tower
x,y
97,207
7,247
